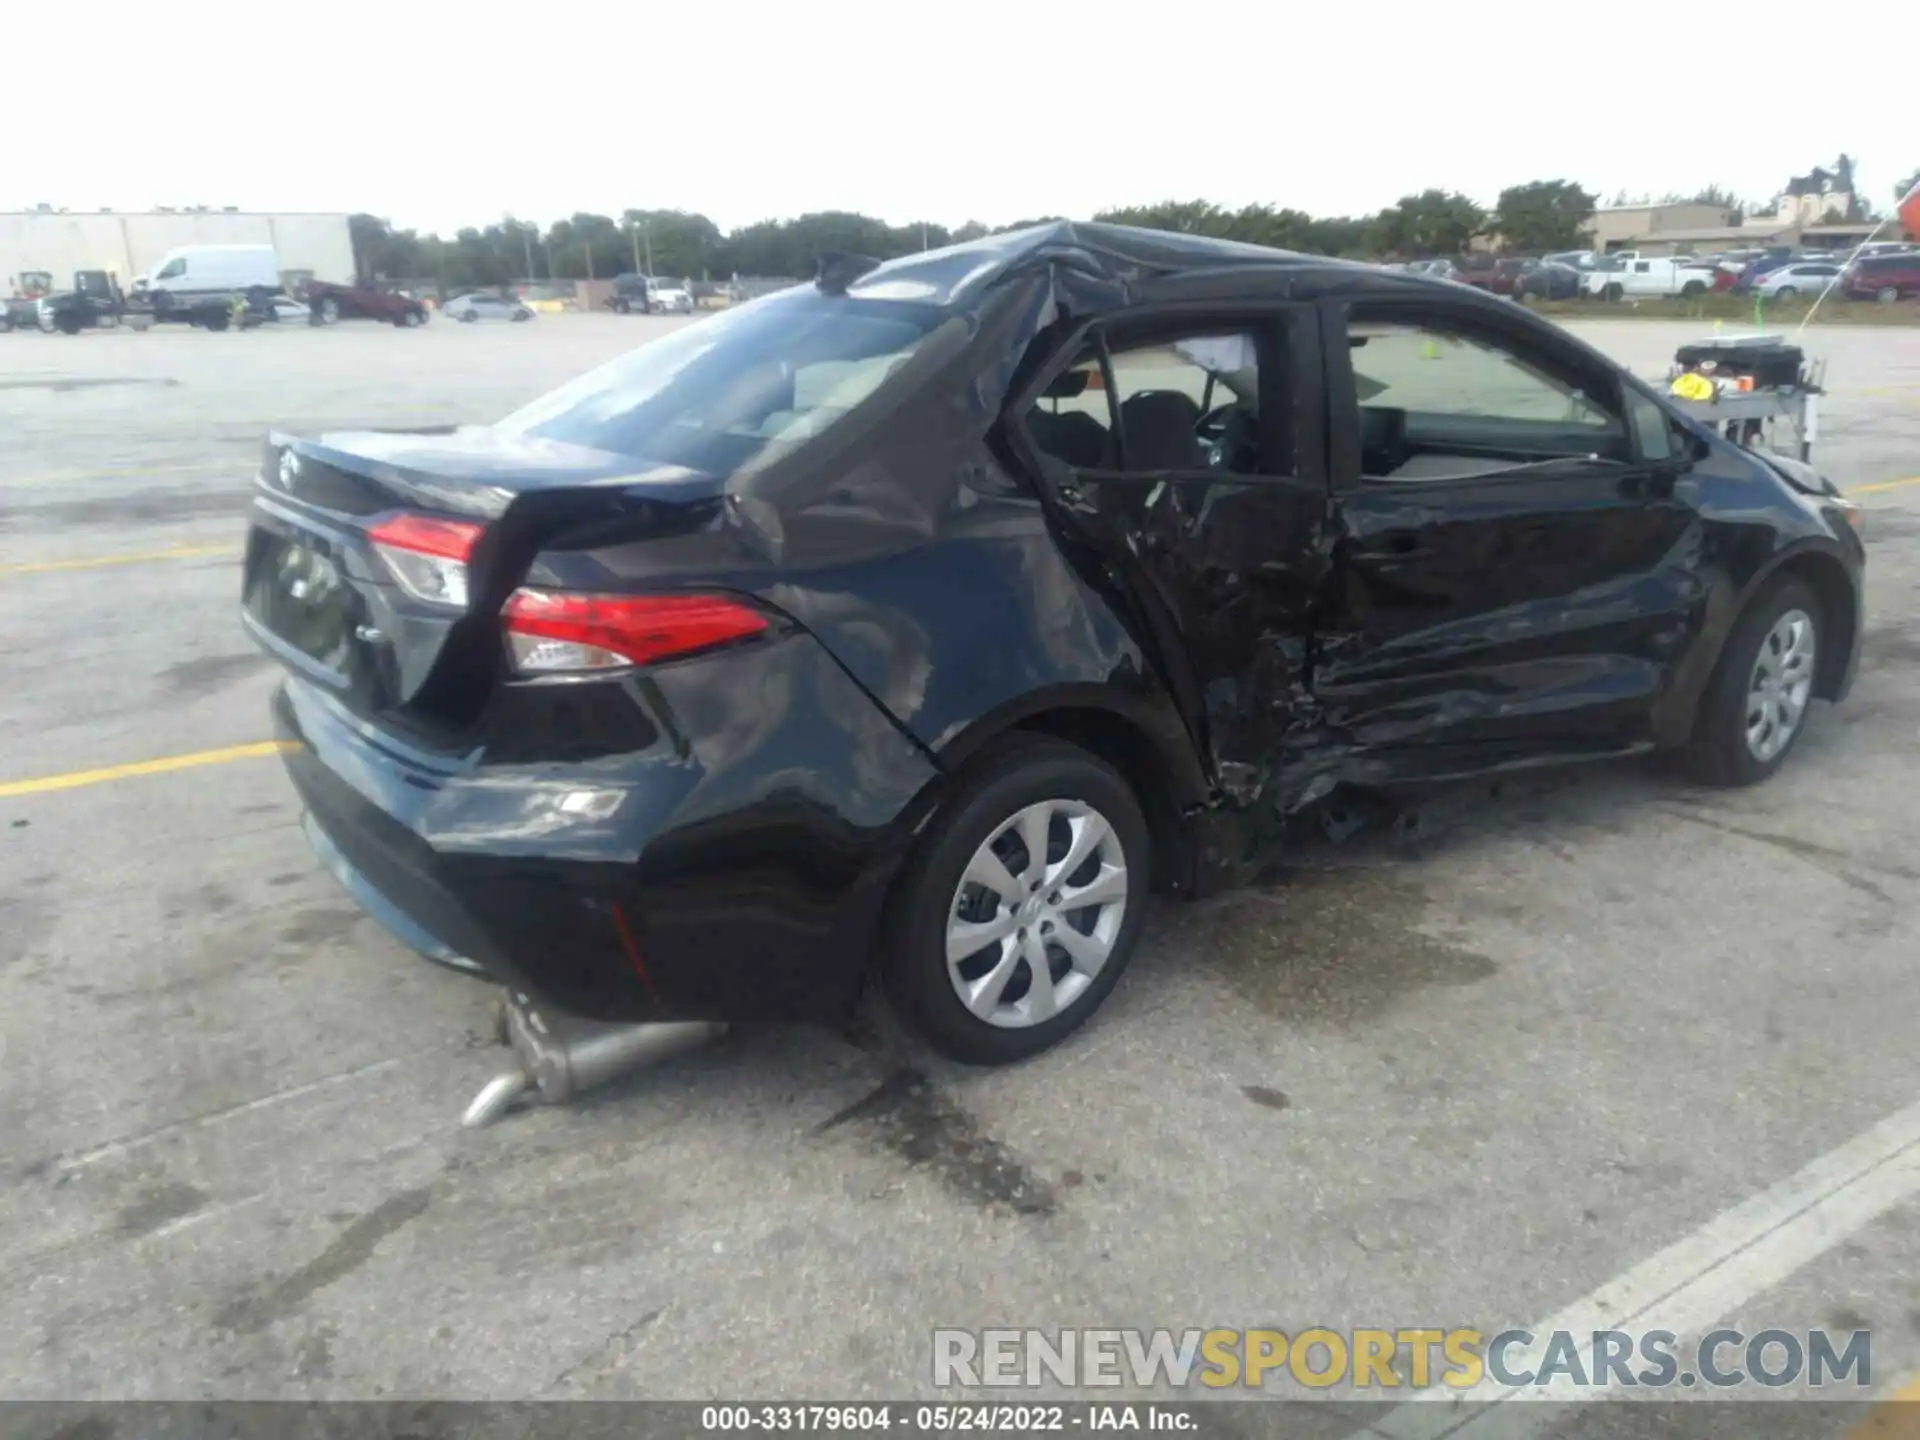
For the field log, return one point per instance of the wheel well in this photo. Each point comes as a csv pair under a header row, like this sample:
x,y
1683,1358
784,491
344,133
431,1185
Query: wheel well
x,y
1128,749
1838,607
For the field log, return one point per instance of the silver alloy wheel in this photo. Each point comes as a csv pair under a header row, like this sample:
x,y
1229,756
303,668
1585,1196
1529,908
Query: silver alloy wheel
x,y
1782,685
1036,914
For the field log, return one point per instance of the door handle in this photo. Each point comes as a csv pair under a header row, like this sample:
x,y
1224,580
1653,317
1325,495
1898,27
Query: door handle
x,y
1393,545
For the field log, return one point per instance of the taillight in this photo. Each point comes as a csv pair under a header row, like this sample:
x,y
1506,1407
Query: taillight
x,y
553,632
428,556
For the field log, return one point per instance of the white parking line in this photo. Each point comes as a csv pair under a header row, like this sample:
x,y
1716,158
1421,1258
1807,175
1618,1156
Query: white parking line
x,y
1700,1279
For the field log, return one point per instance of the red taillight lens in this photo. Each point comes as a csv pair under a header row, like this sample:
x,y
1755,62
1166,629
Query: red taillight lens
x,y
557,632
428,556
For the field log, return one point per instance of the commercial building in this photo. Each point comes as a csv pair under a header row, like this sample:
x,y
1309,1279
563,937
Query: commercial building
x,y
55,243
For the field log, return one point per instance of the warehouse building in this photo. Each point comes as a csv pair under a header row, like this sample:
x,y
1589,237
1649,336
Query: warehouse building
x,y
56,243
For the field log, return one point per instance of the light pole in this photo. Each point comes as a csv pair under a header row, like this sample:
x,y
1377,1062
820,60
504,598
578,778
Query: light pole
x,y
526,242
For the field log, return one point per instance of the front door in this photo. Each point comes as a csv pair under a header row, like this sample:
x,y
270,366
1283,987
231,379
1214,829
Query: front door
x,y
1187,450
1517,563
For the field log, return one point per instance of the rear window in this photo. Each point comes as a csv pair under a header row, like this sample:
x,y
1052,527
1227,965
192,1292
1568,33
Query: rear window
x,y
715,394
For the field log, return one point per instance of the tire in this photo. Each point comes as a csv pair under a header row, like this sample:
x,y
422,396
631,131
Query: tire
x,y
621,307
1014,780
466,317
1888,295
329,310
1786,292
1722,750
1692,288
162,302
1612,292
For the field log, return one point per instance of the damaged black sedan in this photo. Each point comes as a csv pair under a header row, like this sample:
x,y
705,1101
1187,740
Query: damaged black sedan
x,y
918,622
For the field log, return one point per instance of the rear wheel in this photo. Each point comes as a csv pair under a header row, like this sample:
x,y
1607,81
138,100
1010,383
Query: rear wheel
x,y
1612,292
1693,287
1019,911
1756,707
620,306
1786,292
329,310
1889,294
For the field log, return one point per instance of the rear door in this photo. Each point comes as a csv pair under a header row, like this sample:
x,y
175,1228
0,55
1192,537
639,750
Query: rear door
x,y
1187,449
1516,554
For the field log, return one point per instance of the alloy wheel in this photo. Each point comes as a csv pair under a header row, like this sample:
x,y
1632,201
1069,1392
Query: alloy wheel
x,y
1781,685
1036,914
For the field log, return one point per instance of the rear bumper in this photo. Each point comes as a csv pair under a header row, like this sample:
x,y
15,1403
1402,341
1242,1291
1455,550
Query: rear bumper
x,y
701,877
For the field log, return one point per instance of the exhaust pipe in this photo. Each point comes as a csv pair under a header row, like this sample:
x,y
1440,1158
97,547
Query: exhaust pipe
x,y
558,1056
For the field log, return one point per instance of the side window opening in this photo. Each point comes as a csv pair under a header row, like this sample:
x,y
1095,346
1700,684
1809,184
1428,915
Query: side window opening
x,y
1184,401
1438,402
173,269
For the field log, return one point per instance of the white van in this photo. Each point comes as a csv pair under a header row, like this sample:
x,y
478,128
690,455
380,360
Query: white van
x,y
194,274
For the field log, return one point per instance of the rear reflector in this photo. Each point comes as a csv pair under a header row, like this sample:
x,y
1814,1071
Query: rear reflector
x,y
428,556
557,632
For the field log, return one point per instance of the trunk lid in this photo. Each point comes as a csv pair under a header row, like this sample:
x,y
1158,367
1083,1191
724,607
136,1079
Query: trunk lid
x,y
377,562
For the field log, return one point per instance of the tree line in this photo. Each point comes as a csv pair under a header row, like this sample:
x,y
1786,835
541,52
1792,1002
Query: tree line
x,y
1532,218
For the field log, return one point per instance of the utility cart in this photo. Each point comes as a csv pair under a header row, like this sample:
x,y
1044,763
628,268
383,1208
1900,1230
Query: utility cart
x,y
1757,390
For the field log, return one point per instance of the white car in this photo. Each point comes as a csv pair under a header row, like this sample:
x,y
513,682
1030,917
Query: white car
x,y
469,308
669,299
1803,278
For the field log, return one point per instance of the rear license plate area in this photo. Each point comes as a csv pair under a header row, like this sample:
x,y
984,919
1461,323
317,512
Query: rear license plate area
x,y
296,591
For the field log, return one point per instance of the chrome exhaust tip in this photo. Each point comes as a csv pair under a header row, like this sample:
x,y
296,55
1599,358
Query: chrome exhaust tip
x,y
559,1056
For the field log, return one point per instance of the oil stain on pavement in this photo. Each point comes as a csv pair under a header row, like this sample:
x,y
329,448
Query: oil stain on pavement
x,y
1334,947
351,1249
911,1118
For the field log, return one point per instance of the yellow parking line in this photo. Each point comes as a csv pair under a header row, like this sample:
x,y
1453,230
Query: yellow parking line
x,y
1875,489
74,779
94,562
1895,1418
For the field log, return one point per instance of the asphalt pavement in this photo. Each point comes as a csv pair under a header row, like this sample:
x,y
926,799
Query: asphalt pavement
x,y
1579,1035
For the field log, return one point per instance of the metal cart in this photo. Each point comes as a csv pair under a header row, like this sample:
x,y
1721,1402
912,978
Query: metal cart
x,y
1766,392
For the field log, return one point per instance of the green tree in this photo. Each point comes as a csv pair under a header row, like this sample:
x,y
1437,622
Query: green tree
x,y
1542,215
1434,222
1906,187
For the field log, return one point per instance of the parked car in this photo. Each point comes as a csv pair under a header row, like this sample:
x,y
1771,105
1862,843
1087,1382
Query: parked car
x,y
1885,278
1801,278
1550,280
848,634
1475,270
480,305
364,301
1760,267
648,294
1657,276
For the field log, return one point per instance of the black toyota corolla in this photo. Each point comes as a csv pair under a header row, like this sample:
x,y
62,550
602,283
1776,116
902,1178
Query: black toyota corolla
x,y
919,621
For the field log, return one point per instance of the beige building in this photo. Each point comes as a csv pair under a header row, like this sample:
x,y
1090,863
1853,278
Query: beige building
x,y
1637,227
128,243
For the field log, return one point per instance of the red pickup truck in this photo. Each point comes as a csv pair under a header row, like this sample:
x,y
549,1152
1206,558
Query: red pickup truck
x,y
333,302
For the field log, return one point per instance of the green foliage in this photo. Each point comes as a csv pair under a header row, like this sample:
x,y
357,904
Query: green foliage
x,y
682,244
1432,223
1543,215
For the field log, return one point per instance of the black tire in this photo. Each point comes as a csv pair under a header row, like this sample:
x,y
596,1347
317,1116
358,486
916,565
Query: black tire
x,y
162,302
621,306
1014,775
329,310
215,319
1889,294
1718,752
1693,287
1786,292
1612,292
466,317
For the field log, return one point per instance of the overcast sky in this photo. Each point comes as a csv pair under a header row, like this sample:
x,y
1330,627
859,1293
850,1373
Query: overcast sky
x,y
945,112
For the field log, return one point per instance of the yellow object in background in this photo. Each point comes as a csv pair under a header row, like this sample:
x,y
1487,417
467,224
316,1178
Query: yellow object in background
x,y
1693,386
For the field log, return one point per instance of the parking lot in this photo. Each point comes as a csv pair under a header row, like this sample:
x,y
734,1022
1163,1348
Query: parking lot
x,y
1517,1066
